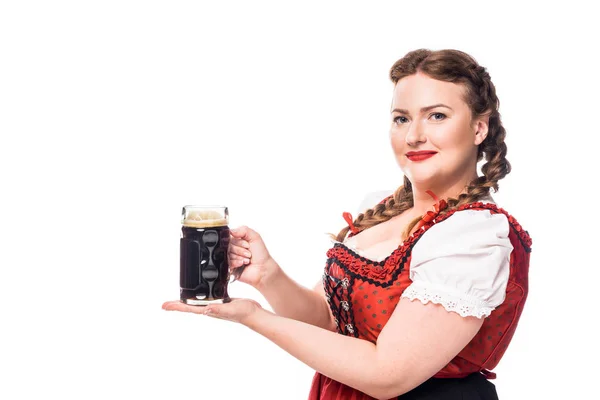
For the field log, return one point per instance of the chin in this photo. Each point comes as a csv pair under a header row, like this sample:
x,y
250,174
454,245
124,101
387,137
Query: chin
x,y
422,180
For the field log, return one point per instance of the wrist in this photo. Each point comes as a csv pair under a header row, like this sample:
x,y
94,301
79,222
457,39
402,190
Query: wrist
x,y
256,319
270,278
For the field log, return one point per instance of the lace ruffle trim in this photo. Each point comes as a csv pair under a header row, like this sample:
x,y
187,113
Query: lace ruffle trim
x,y
459,304
349,243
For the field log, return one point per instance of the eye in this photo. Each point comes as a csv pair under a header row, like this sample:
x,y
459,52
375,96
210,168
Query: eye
x,y
398,120
438,119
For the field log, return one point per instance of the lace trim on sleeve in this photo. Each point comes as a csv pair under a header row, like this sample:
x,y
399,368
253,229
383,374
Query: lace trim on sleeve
x,y
462,304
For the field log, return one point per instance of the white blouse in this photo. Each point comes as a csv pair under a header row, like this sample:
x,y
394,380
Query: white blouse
x,y
462,263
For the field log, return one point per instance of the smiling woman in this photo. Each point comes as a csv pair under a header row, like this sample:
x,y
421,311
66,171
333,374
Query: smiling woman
x,y
419,134
414,303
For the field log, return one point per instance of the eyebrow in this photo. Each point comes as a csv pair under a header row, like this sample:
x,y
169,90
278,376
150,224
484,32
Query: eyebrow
x,y
424,109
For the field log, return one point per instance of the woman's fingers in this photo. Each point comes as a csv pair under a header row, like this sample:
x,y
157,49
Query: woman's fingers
x,y
243,232
239,251
236,261
239,242
179,306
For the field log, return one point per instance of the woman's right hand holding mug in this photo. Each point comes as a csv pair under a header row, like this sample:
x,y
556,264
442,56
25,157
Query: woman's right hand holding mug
x,y
249,255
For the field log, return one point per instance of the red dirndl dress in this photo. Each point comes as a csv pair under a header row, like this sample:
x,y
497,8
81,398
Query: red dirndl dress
x,y
363,294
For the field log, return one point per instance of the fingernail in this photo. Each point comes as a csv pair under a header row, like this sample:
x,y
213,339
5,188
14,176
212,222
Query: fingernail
x,y
246,261
207,311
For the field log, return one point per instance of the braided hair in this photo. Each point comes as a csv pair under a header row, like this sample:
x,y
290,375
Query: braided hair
x,y
480,95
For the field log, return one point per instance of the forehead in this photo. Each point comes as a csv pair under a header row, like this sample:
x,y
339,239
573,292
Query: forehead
x,y
419,90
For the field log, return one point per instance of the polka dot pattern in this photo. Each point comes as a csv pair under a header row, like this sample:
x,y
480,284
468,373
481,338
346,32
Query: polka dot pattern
x,y
364,303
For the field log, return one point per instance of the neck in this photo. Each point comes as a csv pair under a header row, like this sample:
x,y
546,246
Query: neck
x,y
423,202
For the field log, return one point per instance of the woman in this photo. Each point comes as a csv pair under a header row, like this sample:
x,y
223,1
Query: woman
x,y
416,302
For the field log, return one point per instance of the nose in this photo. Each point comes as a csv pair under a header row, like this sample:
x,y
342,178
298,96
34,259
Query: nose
x,y
415,135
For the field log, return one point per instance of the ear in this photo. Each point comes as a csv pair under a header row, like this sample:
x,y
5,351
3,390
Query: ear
x,y
481,130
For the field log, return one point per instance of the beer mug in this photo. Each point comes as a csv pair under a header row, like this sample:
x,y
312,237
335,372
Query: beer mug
x,y
203,265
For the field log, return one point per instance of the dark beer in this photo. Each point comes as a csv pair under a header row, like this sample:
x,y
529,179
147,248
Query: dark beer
x,y
204,267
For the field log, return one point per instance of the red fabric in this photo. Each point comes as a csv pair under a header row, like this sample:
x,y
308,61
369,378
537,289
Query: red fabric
x,y
363,294
348,218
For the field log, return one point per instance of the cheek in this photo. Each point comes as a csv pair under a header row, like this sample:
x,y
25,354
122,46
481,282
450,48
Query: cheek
x,y
399,148
397,142
452,139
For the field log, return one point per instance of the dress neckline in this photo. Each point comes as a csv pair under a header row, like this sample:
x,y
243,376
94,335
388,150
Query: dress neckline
x,y
382,260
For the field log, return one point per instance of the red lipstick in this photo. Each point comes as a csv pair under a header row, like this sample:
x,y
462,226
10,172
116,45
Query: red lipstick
x,y
419,155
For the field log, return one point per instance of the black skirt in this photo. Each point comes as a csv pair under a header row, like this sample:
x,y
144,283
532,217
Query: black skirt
x,y
472,387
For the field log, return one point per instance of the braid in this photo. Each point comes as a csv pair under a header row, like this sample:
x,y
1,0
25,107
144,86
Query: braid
x,y
458,67
483,100
401,201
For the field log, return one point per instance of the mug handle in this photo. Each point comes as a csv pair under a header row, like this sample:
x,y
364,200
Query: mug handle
x,y
236,274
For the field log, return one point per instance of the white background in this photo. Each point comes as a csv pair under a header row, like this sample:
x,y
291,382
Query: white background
x,y
114,114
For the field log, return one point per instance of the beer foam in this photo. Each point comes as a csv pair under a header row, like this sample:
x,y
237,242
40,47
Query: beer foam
x,y
204,219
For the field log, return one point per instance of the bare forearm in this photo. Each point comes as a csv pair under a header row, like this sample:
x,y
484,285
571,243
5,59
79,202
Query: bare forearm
x,y
292,300
339,357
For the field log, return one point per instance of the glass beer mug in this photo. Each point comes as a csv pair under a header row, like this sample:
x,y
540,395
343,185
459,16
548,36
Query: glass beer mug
x,y
203,266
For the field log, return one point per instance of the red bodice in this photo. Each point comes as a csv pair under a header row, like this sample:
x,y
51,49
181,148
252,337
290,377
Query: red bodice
x,y
363,294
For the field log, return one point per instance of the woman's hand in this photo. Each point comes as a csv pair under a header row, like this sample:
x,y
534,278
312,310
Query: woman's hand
x,y
249,259
238,310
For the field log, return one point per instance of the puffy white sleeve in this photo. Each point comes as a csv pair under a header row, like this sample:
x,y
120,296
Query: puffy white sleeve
x,y
462,263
